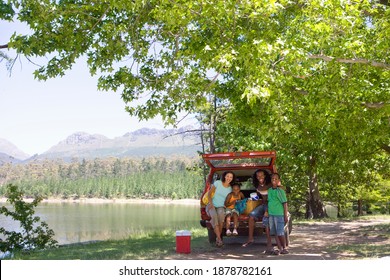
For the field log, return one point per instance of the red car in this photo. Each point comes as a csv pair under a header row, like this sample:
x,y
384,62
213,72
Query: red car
x,y
244,165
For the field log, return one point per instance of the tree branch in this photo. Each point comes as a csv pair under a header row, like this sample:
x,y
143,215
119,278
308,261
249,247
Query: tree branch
x,y
4,46
376,105
350,60
386,148
185,132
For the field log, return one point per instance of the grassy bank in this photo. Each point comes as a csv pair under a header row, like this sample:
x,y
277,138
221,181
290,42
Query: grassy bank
x,y
147,246
368,241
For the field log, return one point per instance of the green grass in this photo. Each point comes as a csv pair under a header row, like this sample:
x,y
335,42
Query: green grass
x,y
160,245
330,220
151,246
380,232
363,250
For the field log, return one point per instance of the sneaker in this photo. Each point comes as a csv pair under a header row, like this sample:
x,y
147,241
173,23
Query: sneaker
x,y
235,232
228,232
284,251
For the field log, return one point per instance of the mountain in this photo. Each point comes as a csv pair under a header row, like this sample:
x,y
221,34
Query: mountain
x,y
5,158
143,142
7,149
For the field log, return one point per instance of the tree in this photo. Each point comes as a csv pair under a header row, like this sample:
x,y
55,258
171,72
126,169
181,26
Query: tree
x,y
314,73
32,235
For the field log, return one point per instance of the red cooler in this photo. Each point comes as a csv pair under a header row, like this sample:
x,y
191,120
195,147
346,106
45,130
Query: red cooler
x,y
183,241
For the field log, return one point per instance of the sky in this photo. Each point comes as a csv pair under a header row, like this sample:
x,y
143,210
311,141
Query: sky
x,y
36,115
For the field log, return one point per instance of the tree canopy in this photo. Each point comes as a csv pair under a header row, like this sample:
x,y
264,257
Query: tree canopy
x,y
310,79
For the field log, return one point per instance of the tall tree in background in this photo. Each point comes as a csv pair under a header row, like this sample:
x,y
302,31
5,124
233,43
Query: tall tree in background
x,y
312,76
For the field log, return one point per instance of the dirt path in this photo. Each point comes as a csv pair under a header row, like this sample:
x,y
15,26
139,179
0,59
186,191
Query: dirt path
x,y
317,241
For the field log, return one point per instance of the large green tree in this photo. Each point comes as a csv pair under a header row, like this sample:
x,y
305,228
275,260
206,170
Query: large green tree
x,y
311,77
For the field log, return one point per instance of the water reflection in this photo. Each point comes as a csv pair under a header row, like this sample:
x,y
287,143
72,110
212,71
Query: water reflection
x,y
78,222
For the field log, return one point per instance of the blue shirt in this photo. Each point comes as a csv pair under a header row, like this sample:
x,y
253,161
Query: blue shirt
x,y
221,193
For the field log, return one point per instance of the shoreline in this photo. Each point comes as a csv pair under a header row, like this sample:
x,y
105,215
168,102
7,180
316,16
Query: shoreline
x,y
186,201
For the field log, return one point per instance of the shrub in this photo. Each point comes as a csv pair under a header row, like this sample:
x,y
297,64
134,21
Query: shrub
x,y
33,234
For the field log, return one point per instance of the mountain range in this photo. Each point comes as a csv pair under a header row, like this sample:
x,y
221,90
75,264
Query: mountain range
x,y
143,142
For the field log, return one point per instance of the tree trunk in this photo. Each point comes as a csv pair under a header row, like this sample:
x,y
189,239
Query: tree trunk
x,y
213,125
360,207
314,205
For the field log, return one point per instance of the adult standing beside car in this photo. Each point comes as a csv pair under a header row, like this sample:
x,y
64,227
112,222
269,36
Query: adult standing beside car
x,y
216,207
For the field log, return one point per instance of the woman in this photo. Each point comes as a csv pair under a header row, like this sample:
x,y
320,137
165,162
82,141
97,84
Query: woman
x,y
261,181
216,207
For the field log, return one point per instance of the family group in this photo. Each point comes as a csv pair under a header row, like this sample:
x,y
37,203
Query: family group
x,y
225,193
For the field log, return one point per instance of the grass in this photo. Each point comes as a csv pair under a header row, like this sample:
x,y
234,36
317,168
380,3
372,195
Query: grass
x,y
381,248
145,246
301,221
160,245
364,249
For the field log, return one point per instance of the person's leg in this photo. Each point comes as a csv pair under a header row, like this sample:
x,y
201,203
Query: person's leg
x,y
269,240
228,219
235,220
282,241
280,232
278,243
265,223
273,231
235,223
251,227
212,212
221,220
281,238
218,235
253,217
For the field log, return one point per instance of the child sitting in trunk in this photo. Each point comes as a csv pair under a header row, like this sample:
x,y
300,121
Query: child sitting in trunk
x,y
230,212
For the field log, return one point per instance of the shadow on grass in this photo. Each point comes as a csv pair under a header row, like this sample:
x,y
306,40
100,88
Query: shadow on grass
x,y
369,242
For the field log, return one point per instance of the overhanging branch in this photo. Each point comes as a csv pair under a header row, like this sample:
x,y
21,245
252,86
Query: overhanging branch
x,y
376,105
386,148
350,60
4,46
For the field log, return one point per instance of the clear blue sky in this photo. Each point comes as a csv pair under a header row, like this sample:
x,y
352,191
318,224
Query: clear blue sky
x,y
37,115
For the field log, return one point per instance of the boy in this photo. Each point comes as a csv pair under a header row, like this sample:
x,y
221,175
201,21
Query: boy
x,y
230,211
278,216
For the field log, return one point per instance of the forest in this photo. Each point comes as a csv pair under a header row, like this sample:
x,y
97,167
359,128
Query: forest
x,y
105,178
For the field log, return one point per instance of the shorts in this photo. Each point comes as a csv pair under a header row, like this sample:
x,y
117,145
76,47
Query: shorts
x,y
276,225
265,221
258,212
217,215
230,211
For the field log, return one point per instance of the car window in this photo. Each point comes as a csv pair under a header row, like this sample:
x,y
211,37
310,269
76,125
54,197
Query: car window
x,y
263,161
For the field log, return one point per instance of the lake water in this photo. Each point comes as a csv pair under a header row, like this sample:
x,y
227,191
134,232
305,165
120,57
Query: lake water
x,y
80,222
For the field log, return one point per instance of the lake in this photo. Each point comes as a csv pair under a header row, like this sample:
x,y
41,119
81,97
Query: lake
x,y
80,222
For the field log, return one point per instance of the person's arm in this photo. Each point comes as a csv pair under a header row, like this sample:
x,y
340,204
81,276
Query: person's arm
x,y
265,203
212,190
227,200
242,196
285,207
281,186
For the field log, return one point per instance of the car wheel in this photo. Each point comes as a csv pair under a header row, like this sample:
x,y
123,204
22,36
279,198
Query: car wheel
x,y
287,236
287,230
212,236
290,225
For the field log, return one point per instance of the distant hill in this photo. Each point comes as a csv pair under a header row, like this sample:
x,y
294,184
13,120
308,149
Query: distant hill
x,y
144,142
5,158
7,149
